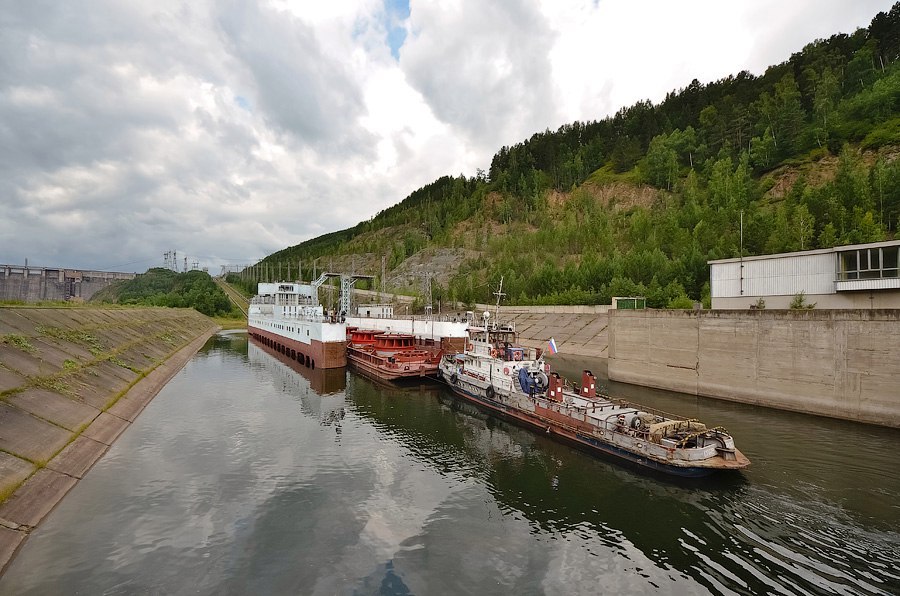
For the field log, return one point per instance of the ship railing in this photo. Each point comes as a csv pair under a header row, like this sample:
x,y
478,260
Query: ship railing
x,y
408,317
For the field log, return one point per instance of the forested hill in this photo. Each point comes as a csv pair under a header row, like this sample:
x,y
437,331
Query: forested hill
x,y
164,287
638,202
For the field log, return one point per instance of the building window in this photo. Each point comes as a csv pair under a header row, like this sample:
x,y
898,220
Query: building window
x,y
868,263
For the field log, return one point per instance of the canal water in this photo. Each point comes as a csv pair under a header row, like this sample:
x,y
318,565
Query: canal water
x,y
251,475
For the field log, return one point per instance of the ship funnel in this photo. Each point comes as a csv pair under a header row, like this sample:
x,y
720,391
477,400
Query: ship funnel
x,y
588,384
555,390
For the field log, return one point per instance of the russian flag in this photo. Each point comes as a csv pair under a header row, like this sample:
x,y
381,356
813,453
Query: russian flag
x,y
552,344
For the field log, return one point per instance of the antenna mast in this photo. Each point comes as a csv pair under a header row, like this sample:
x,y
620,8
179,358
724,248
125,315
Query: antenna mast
x,y
499,294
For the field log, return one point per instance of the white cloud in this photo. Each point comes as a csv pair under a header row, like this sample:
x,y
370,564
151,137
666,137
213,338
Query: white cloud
x,y
228,130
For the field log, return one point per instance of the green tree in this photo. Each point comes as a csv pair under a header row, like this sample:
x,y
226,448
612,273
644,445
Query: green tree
x,y
828,236
662,162
626,153
828,92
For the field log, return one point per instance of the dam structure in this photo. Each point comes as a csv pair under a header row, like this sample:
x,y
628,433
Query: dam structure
x,y
24,283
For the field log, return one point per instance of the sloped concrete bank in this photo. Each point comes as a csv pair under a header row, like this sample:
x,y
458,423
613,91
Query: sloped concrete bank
x,y
578,330
71,381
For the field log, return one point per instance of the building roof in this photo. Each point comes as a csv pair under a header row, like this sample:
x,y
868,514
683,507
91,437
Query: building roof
x,y
817,251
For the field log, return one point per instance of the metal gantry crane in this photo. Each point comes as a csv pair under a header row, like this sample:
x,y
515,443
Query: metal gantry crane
x,y
347,282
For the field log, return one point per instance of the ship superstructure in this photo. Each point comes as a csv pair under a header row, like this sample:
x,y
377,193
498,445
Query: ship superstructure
x,y
288,317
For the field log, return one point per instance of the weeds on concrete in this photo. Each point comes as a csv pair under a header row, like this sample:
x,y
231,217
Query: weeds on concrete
x,y
72,336
799,302
69,364
18,341
119,362
9,490
54,384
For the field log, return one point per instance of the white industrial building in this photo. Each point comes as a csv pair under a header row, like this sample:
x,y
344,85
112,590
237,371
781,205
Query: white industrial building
x,y
378,311
857,276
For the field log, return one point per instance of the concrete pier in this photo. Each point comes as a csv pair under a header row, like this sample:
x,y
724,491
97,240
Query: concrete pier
x,y
71,381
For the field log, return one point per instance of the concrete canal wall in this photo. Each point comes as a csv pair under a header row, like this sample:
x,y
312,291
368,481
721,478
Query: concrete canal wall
x,y
844,364
578,330
71,380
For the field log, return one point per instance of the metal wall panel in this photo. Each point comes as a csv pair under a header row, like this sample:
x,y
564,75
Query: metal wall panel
x,y
869,284
777,276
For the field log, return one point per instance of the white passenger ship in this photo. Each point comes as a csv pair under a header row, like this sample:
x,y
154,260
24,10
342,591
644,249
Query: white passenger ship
x,y
287,317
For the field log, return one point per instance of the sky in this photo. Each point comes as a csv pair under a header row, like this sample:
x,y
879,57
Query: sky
x,y
226,130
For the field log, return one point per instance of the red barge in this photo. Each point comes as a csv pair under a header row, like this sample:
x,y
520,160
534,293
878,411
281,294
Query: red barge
x,y
391,356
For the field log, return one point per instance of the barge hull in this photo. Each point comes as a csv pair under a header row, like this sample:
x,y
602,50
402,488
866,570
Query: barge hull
x,y
315,354
579,440
410,371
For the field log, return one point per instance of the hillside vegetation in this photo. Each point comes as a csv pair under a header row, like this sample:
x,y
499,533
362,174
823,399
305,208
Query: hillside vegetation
x,y
637,203
164,287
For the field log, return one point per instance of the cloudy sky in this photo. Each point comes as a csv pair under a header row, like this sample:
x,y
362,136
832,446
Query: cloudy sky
x,y
228,129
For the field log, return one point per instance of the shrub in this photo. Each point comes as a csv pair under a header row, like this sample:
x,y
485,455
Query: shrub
x,y
799,302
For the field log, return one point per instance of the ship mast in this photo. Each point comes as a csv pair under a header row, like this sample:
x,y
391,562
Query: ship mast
x,y
499,294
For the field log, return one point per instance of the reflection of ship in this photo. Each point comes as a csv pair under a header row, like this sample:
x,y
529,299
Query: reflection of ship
x,y
287,316
391,356
514,382
320,390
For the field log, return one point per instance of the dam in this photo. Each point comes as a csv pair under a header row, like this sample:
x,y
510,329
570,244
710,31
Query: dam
x,y
22,283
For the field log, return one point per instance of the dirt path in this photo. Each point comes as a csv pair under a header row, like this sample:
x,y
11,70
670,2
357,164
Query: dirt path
x,y
236,297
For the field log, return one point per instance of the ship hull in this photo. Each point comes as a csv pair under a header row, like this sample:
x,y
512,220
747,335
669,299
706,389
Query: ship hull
x,y
315,354
578,439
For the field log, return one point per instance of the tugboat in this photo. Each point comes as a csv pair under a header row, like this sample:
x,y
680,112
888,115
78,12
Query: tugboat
x,y
515,383
390,356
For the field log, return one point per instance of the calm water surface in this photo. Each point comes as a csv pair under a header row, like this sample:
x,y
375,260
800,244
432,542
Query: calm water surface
x,y
249,476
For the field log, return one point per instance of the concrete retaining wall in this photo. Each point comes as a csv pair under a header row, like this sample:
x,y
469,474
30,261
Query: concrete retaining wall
x,y
844,364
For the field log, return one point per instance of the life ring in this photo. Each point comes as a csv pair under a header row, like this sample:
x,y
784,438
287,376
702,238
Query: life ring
x,y
471,346
518,356
493,353
506,370
489,392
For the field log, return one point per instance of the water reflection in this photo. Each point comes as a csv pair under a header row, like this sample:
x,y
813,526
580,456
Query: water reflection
x,y
729,532
249,474
843,465
295,376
